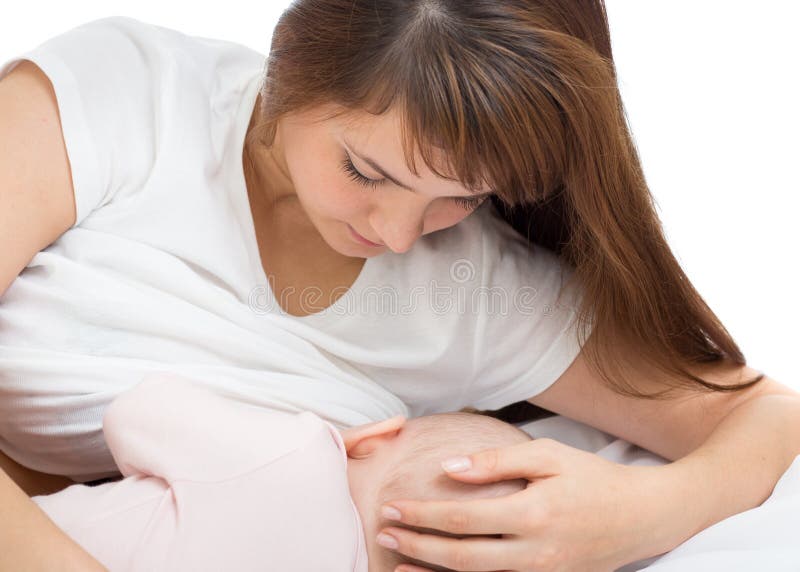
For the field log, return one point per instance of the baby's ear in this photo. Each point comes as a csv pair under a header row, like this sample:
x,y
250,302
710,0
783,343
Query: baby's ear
x,y
361,441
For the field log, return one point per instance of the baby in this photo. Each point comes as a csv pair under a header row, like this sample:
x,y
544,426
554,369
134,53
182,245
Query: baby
x,y
214,484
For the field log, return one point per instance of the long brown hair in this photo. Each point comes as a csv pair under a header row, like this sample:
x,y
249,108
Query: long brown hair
x,y
522,95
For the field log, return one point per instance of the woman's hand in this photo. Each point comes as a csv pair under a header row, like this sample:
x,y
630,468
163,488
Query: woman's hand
x,y
579,512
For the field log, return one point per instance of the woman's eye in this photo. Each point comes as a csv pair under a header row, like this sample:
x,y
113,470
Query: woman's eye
x,y
353,173
350,169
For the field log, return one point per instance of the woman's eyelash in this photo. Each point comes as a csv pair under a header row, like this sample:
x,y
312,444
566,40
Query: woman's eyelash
x,y
469,204
354,174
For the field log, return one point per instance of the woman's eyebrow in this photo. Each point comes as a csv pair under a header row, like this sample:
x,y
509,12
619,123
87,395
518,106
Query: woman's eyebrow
x,y
372,163
379,169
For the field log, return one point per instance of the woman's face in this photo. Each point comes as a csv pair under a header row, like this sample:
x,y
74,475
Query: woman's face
x,y
350,172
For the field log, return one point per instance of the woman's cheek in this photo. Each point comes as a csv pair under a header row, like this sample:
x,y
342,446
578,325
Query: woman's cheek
x,y
457,213
444,216
341,199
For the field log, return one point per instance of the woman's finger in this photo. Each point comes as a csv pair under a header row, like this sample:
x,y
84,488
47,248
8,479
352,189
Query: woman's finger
x,y
473,554
498,515
531,460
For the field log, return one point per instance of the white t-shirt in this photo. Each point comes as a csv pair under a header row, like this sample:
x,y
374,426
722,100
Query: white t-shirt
x,y
161,272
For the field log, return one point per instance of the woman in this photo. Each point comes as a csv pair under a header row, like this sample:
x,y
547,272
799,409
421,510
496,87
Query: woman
x,y
514,102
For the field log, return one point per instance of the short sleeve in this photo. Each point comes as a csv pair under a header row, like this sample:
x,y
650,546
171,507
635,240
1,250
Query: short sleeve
x,y
104,74
526,335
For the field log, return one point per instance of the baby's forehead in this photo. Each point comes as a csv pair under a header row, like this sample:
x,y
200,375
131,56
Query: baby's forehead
x,y
458,421
430,433
458,433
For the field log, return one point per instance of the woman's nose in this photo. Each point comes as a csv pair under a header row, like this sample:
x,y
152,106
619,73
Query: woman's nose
x,y
401,223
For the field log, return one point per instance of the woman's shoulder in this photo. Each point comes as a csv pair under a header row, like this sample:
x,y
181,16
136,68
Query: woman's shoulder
x,y
175,62
131,94
146,33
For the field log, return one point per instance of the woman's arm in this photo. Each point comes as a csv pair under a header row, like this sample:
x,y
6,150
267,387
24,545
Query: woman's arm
x,y
37,202
734,470
36,207
582,512
671,428
32,542
728,449
32,482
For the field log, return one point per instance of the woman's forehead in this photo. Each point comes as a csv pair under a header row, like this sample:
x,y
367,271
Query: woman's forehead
x,y
380,138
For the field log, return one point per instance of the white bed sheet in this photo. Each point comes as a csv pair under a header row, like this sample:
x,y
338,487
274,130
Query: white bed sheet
x,y
764,538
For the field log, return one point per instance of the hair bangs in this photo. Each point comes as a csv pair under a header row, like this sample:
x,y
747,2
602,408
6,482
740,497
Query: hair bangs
x,y
483,122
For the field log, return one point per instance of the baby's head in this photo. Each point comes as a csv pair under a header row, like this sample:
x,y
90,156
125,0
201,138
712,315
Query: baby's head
x,y
400,458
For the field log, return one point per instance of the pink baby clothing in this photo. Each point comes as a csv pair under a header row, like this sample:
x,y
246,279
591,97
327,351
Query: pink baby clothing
x,y
214,484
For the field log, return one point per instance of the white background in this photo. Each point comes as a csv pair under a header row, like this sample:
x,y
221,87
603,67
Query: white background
x,y
712,94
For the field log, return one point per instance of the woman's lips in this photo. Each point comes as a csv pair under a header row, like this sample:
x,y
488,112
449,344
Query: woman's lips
x,y
361,239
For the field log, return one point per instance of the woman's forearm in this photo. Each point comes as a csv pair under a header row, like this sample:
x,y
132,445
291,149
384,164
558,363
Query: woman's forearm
x,y
30,541
32,482
734,470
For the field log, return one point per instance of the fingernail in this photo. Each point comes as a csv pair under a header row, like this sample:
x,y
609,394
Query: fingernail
x,y
457,464
390,512
387,541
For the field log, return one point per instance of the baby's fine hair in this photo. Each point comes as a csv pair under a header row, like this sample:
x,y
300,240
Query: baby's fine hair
x,y
419,475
